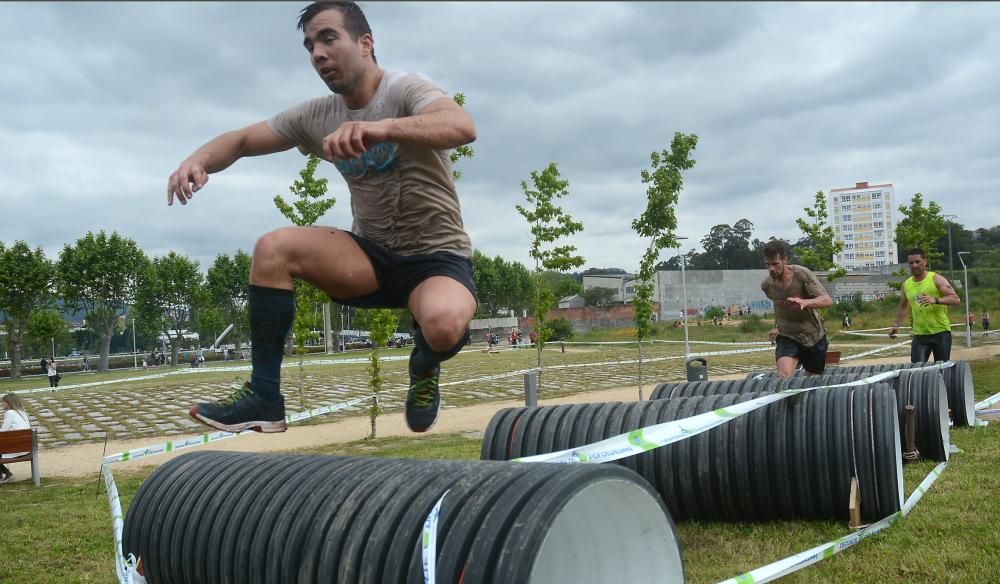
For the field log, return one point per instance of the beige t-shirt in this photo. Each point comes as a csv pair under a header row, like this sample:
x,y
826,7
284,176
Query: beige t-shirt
x,y
805,326
402,196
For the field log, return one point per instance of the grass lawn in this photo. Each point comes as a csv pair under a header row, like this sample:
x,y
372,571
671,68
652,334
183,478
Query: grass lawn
x,y
62,532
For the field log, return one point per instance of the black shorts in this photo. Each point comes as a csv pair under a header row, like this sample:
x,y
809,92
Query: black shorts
x,y
398,274
813,359
938,344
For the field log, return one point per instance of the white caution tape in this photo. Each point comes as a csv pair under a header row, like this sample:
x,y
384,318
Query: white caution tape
x,y
987,412
117,522
650,437
821,552
173,446
988,402
428,542
876,350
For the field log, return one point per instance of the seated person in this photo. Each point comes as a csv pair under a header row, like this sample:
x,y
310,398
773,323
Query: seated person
x,y
14,418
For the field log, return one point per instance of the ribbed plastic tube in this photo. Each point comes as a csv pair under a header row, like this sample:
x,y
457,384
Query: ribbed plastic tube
x,y
211,517
925,390
793,459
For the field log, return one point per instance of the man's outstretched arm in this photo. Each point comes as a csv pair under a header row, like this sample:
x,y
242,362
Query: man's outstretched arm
x,y
219,154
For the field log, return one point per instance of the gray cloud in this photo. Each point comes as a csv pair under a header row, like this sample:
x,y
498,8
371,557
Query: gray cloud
x,y
101,101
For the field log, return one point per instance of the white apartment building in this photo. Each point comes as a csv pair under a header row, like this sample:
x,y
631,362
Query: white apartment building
x,y
862,219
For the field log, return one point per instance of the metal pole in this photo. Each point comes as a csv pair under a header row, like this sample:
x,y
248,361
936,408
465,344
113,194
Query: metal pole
x,y
968,307
687,352
531,389
951,256
53,339
135,356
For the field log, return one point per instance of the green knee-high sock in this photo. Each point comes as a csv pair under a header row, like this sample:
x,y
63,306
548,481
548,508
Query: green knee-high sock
x,y
424,359
272,311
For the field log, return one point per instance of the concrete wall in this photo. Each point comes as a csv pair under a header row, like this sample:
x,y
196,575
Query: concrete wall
x,y
706,288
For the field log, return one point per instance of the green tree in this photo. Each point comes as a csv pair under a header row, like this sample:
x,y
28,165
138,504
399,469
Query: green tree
x,y
464,151
823,244
383,325
229,287
170,293
45,328
27,286
658,223
920,227
100,274
548,225
598,296
209,323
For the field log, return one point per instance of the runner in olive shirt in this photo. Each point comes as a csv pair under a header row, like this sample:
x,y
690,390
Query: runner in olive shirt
x,y
925,295
798,333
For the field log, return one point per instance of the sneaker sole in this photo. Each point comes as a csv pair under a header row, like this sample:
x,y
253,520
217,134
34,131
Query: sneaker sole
x,y
257,426
412,429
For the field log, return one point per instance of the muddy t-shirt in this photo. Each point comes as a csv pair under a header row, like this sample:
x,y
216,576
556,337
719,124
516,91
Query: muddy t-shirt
x,y
402,196
805,326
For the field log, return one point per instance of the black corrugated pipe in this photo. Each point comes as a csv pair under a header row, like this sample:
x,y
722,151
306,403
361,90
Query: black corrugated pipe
x,y
212,517
925,390
791,459
957,381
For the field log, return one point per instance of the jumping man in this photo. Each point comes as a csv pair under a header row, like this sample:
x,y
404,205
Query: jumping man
x,y
388,133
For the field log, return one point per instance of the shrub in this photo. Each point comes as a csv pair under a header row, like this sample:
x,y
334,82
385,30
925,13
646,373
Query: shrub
x,y
561,329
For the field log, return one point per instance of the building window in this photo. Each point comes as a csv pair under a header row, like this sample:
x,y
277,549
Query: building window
x,y
845,218
877,195
878,225
848,236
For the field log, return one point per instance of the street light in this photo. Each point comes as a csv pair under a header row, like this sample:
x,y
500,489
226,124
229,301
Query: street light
x,y
968,307
53,340
135,355
684,294
951,257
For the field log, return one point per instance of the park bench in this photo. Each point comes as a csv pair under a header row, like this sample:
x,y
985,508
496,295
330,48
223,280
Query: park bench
x,y
13,441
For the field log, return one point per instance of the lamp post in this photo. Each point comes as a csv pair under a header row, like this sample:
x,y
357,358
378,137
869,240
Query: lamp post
x,y
684,296
135,355
968,307
53,341
951,256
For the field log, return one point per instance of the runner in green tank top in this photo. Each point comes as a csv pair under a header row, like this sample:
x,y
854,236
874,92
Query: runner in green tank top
x,y
925,296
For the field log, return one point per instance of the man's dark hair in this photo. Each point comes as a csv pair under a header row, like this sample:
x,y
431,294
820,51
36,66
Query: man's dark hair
x,y
775,249
917,251
354,19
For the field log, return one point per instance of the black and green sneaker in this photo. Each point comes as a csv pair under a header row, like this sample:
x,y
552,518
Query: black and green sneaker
x,y
422,400
243,410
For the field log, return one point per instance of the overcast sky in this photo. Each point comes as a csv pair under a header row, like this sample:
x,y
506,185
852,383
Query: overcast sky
x,y
100,102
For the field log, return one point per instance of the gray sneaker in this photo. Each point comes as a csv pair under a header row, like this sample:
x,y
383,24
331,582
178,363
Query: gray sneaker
x,y
422,400
243,410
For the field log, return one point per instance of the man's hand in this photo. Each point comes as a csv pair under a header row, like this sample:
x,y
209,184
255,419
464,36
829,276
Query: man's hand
x,y
772,335
352,139
186,181
800,302
893,331
924,300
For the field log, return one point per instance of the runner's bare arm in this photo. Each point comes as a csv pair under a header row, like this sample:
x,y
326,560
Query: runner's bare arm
x,y
220,153
948,294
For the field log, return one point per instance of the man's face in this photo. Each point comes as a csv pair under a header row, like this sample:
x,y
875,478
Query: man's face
x,y
335,55
776,266
917,263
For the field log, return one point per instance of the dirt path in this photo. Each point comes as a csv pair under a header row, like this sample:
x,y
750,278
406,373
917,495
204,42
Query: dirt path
x,y
85,459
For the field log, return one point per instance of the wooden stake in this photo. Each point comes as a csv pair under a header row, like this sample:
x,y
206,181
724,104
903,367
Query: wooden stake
x,y
855,504
911,430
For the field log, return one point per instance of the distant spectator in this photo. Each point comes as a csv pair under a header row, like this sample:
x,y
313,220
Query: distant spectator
x,y
86,363
53,373
986,322
14,418
846,321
